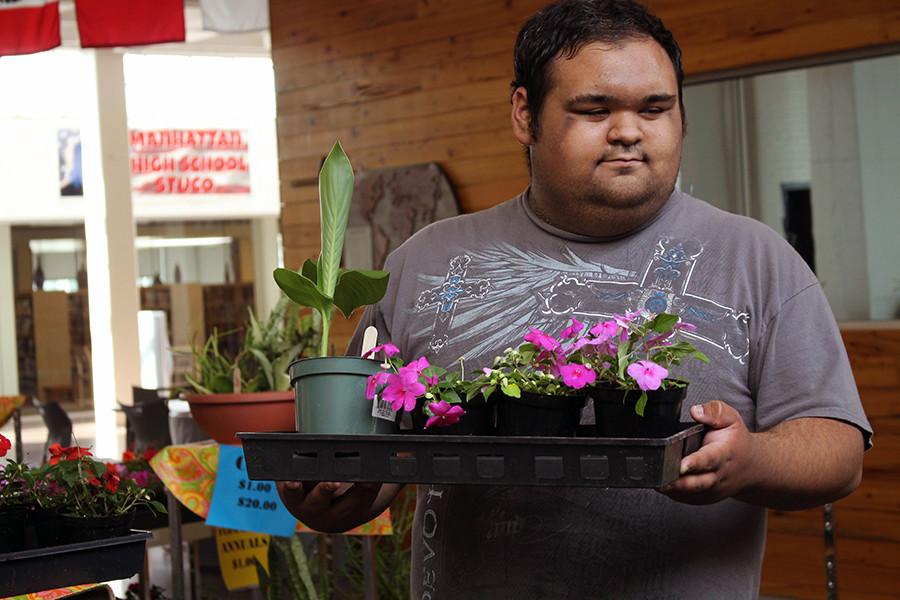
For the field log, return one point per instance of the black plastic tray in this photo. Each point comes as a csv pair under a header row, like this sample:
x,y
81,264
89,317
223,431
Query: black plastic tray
x,y
71,564
521,461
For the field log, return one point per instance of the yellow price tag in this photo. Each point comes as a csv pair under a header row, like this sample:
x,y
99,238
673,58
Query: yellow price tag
x,y
237,551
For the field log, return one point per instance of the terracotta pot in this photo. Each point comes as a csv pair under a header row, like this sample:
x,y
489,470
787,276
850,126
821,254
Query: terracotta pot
x,y
223,415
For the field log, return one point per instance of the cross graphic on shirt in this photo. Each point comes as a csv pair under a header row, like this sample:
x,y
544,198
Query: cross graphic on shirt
x,y
446,297
663,287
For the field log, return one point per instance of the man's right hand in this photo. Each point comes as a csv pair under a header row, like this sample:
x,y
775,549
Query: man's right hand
x,y
323,509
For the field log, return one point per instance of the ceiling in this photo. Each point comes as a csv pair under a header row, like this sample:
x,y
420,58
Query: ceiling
x,y
197,41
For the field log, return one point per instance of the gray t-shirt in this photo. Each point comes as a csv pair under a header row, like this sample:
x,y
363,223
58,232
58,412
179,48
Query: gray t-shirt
x,y
469,286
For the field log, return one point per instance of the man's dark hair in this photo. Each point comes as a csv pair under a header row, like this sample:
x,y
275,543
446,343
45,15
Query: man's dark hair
x,y
565,27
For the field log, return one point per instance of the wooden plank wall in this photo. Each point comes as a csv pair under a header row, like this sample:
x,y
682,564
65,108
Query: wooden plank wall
x,y
867,523
410,81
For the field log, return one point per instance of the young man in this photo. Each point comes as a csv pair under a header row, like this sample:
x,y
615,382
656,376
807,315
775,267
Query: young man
x,y
601,230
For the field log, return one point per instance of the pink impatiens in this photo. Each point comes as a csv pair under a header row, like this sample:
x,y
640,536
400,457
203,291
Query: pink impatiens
x,y
577,376
403,389
542,340
444,414
648,374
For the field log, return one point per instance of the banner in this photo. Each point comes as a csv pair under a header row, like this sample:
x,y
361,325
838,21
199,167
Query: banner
x,y
105,23
189,161
28,26
234,16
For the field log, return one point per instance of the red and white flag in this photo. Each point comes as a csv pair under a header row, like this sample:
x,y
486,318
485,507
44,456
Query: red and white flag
x,y
105,23
235,16
28,26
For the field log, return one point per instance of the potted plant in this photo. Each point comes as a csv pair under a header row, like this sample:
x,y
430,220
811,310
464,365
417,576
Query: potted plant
x,y
436,399
250,391
92,500
330,391
635,392
13,501
542,384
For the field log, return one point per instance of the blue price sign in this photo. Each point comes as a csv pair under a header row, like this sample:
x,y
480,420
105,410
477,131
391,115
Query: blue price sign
x,y
238,503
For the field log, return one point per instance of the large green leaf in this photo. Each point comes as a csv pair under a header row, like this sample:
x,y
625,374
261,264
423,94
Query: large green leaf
x,y
310,269
301,290
664,323
335,193
359,288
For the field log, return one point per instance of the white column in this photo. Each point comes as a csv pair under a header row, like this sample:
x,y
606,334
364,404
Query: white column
x,y
111,257
264,233
9,369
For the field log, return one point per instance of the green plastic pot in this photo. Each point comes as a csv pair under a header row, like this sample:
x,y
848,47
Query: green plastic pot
x,y
330,395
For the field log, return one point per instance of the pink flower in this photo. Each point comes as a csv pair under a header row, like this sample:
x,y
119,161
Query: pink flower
x,y
389,350
418,365
444,414
648,374
683,326
577,376
373,383
572,330
403,389
605,330
142,478
487,371
541,340
5,445
624,320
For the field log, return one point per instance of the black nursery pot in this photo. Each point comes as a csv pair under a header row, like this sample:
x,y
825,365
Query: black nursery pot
x,y
615,415
84,529
12,529
478,420
47,526
539,415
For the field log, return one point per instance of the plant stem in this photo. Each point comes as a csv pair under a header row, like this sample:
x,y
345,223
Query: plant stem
x,y
323,341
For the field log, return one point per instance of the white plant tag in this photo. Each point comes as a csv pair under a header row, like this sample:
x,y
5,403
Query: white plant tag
x,y
381,409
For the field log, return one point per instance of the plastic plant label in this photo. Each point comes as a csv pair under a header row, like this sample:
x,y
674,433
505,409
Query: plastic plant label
x,y
239,503
381,409
238,552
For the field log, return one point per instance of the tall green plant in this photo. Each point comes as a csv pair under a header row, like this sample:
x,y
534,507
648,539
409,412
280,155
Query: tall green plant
x,y
322,284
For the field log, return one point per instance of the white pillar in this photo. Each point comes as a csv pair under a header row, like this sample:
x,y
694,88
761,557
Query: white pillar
x,y
9,369
111,257
264,233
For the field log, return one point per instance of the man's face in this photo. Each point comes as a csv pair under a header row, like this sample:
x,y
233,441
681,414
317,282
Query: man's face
x,y
610,129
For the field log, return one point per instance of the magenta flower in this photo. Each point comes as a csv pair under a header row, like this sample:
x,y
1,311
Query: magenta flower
x,y
572,330
541,340
374,381
403,389
683,326
142,478
605,330
389,350
648,374
577,376
444,414
418,365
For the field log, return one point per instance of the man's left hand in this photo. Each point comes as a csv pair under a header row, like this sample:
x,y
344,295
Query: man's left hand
x,y
721,468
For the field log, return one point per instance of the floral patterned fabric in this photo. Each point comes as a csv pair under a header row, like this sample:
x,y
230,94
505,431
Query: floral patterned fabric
x,y
189,472
55,594
8,405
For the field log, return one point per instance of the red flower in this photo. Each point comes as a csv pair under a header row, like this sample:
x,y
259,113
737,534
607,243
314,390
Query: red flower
x,y
112,482
111,468
74,453
149,453
5,445
57,453
93,480
128,456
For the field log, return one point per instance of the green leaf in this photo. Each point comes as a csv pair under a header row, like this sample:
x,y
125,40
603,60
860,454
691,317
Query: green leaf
x,y
511,390
335,193
266,366
303,291
701,357
641,404
359,288
664,323
310,269
489,390
450,397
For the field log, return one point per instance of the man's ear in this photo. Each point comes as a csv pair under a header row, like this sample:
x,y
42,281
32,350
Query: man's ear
x,y
521,117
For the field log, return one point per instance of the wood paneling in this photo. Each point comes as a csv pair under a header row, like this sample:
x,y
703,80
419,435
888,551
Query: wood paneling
x,y
409,81
867,523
